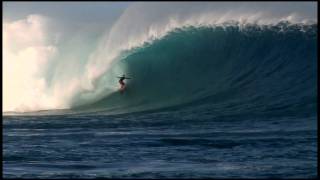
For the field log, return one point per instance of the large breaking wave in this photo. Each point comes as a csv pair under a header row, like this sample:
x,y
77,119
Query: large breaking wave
x,y
260,68
234,56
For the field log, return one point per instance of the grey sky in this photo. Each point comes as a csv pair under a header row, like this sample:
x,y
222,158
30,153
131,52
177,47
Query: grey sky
x,y
106,13
76,12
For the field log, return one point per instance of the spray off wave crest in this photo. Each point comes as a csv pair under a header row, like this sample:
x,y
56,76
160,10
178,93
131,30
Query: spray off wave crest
x,y
135,33
26,52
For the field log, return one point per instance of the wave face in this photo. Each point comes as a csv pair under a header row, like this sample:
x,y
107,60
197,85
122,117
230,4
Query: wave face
x,y
252,68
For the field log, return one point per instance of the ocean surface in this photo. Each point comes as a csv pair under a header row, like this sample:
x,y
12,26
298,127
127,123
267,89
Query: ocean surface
x,y
204,102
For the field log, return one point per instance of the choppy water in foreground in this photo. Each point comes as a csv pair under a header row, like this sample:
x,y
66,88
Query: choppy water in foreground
x,y
176,143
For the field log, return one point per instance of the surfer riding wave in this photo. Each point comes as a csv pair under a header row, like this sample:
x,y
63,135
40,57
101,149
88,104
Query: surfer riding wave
x,y
121,82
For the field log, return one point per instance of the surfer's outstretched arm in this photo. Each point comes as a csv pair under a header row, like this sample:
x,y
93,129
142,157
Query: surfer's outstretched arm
x,y
123,77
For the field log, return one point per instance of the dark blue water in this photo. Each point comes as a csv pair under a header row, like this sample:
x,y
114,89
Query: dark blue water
x,y
166,144
221,103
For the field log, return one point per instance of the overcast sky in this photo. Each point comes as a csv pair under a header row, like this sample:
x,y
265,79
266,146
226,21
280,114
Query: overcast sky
x,y
107,13
103,13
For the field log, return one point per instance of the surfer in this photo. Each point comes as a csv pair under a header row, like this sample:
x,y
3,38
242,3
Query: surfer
x,y
121,81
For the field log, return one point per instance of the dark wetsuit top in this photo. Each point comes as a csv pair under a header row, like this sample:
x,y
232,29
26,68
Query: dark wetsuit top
x,y
121,80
